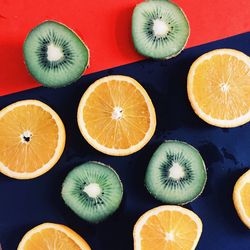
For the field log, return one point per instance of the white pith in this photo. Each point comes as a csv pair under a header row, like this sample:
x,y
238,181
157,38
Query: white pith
x,y
26,134
93,142
224,87
117,113
54,53
155,211
169,236
176,171
58,151
93,190
160,28
206,117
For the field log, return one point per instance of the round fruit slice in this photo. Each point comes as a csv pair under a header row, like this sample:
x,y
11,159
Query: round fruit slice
x,y
241,198
52,236
116,115
167,227
160,29
176,173
218,87
32,139
93,191
55,56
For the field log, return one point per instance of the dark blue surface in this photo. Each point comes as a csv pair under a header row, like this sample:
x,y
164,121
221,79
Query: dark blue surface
x,y
25,204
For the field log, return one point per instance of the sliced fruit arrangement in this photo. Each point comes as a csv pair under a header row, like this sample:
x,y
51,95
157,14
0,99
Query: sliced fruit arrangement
x,y
93,191
54,55
160,29
218,87
49,236
241,198
116,115
176,173
167,227
32,139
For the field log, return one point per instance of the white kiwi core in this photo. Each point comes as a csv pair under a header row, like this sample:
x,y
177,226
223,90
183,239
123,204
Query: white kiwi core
x,y
93,190
176,171
160,28
54,53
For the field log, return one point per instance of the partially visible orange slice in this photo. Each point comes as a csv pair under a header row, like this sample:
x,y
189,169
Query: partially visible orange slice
x,y
32,139
241,198
50,236
167,227
219,87
116,115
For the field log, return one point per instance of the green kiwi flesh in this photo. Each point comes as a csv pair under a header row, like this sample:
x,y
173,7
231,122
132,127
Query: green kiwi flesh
x,y
176,173
93,191
54,55
160,29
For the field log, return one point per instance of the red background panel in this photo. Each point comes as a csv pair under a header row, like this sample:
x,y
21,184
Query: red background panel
x,y
105,27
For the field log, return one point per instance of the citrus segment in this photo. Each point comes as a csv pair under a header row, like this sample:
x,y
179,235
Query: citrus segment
x,y
116,115
241,198
52,236
219,87
32,139
167,227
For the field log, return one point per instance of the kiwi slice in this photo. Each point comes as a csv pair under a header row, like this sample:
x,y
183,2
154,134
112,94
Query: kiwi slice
x,y
93,191
160,29
54,55
176,173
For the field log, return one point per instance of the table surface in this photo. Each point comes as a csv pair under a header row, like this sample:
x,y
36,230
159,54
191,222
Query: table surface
x,y
25,204
105,26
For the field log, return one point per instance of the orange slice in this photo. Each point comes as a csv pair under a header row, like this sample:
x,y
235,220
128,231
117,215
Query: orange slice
x,y
52,236
32,139
218,87
241,198
116,115
167,227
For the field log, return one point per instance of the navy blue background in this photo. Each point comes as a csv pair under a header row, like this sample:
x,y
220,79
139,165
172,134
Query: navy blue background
x,y
25,204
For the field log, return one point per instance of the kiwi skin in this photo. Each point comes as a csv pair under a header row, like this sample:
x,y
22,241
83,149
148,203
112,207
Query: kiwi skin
x,y
122,193
205,181
66,84
176,54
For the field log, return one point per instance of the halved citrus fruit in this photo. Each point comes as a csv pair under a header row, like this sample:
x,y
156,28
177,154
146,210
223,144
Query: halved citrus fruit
x,y
218,87
116,115
167,227
52,236
32,139
241,198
